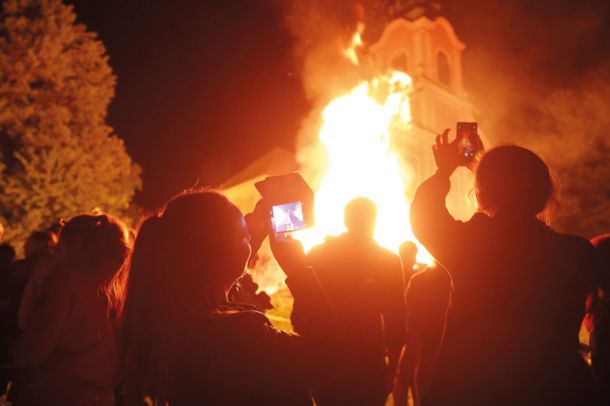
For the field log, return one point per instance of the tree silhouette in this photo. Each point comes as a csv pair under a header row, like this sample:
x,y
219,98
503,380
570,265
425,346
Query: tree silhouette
x,y
57,155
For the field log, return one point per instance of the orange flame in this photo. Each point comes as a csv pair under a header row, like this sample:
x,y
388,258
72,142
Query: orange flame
x,y
351,51
356,136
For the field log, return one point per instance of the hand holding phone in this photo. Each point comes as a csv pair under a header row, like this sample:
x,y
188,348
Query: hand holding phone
x,y
287,217
463,151
257,222
290,202
469,143
288,253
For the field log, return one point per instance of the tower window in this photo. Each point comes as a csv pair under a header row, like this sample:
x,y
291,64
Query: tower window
x,y
442,69
400,62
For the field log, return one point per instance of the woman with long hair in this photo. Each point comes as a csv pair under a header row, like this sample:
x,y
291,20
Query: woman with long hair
x,y
68,351
184,342
519,286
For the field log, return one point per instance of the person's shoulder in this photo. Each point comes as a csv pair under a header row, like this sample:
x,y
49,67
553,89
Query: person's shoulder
x,y
330,245
579,251
418,277
422,276
478,220
574,242
437,274
431,281
387,255
416,284
248,320
316,250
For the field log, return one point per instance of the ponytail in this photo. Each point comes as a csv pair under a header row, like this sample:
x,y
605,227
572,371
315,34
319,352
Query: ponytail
x,y
171,285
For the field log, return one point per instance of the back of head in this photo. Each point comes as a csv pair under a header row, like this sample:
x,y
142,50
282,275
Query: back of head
x,y
177,251
183,256
7,254
40,243
408,253
514,182
602,246
98,243
360,217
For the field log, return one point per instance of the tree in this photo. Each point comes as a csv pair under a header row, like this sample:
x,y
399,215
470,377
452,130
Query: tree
x,y
58,157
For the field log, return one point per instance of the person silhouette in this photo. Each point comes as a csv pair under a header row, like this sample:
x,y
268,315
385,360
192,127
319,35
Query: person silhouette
x,y
407,251
599,312
404,381
365,285
519,287
7,313
68,350
184,342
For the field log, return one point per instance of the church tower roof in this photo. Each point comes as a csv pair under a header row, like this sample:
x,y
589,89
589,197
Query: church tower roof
x,y
414,9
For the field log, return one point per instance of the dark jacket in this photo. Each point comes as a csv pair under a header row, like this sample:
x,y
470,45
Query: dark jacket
x,y
236,357
519,293
68,350
365,285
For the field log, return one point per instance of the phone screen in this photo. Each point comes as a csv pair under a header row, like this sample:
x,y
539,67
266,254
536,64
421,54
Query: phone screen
x,y
287,217
467,133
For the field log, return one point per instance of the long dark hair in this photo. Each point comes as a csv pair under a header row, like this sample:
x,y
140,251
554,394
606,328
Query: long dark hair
x,y
96,243
172,282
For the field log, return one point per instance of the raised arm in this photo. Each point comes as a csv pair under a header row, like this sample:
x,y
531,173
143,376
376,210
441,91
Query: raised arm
x,y
313,314
432,224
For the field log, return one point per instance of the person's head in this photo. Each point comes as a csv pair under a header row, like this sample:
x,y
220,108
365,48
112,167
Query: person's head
x,y
7,254
197,246
56,227
514,182
40,243
98,243
360,217
408,254
185,259
602,246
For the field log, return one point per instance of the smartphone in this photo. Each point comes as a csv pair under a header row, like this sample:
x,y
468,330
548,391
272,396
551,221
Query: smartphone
x,y
467,133
291,202
287,217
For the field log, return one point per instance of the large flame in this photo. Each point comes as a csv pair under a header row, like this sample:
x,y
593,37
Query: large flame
x,y
351,52
356,135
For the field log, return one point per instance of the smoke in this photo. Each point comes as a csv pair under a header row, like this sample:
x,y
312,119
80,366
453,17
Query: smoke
x,y
569,129
540,77
322,30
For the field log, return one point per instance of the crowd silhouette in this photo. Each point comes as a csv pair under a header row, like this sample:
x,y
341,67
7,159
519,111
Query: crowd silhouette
x,y
165,315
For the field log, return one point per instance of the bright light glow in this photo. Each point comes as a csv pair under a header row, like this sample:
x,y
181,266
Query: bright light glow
x,y
351,51
355,134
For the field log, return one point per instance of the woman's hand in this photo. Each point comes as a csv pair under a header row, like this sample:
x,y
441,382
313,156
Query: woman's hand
x,y
288,253
446,153
258,224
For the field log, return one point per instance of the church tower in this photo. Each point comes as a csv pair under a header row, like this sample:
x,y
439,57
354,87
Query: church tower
x,y
423,44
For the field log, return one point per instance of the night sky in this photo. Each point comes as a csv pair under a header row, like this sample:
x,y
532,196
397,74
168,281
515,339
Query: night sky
x,y
205,87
